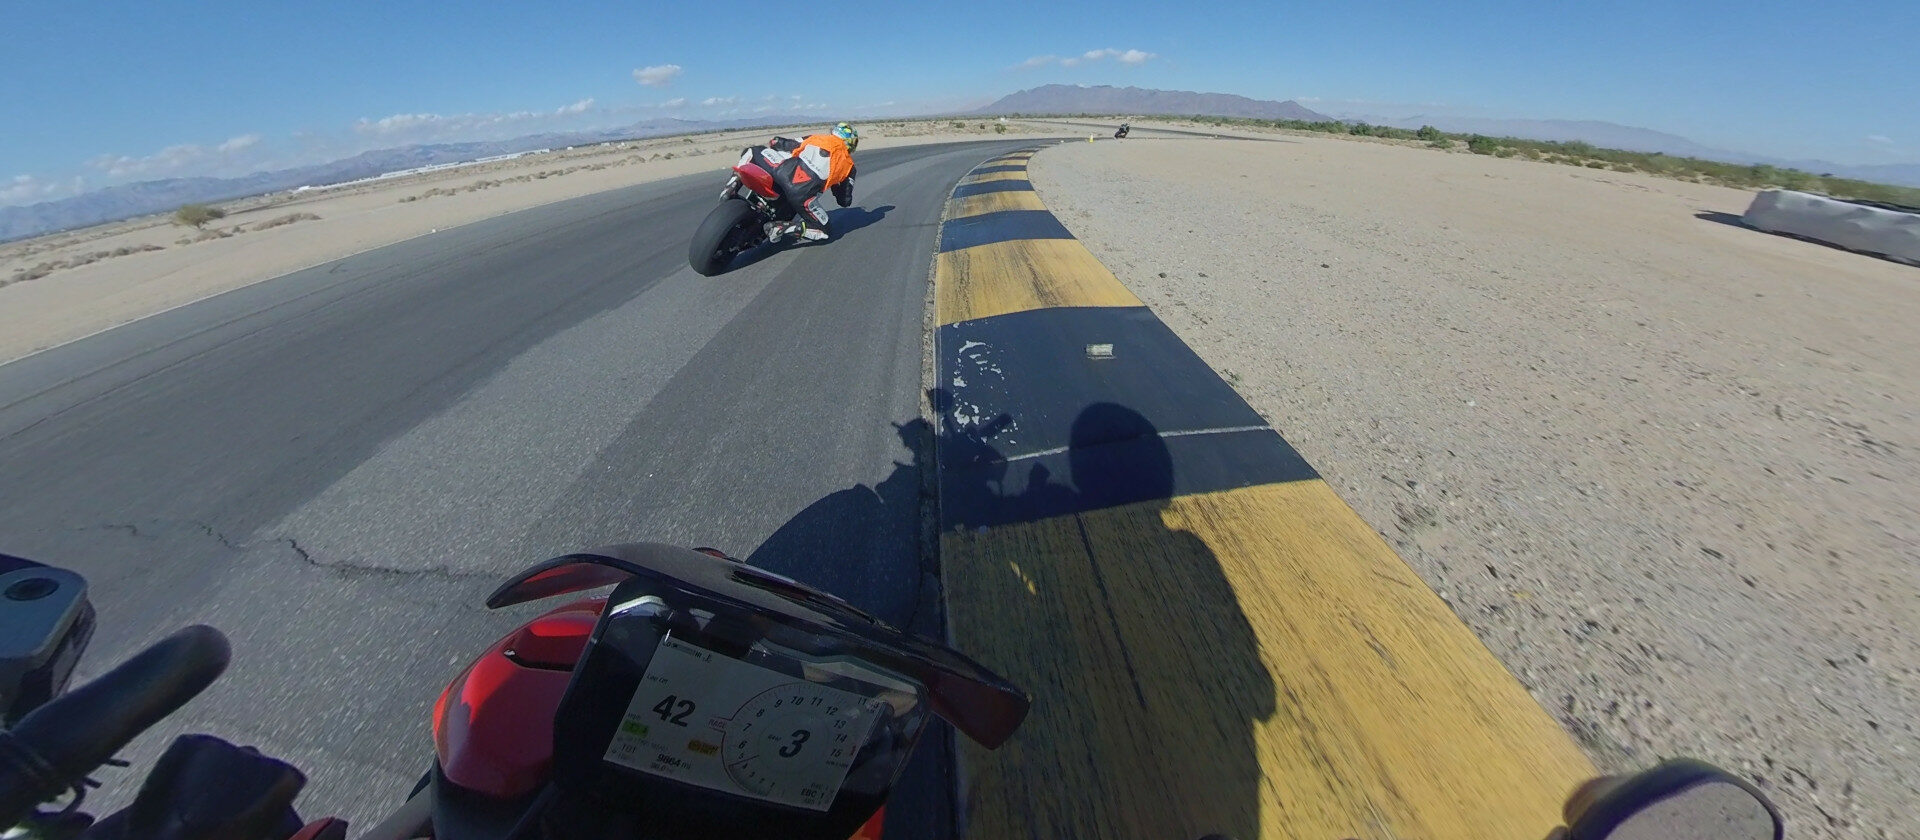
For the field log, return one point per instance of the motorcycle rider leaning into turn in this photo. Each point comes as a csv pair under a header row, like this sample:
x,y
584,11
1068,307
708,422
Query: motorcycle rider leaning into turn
x,y
803,169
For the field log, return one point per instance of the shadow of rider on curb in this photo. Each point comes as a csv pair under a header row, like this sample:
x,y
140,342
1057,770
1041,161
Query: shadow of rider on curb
x,y
1146,675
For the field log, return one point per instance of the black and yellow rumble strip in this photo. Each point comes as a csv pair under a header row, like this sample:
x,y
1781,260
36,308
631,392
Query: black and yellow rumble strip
x,y
1216,643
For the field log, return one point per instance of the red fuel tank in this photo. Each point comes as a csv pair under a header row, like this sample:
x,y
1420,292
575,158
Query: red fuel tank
x,y
493,725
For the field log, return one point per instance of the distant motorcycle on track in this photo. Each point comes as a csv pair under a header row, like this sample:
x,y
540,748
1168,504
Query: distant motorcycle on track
x,y
752,212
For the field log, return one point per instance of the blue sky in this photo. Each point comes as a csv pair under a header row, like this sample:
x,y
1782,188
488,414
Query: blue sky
x,y
99,93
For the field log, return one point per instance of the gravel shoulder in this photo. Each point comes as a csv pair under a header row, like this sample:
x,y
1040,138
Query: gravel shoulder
x,y
1663,465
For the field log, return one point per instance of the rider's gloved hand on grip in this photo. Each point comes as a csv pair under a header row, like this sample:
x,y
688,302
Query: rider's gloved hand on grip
x,y
58,744
204,788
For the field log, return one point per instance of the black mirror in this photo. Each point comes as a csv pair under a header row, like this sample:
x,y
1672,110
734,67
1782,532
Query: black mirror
x,y
1682,799
45,622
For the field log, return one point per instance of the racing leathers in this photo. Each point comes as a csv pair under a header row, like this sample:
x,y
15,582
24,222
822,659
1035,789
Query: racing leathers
x,y
803,169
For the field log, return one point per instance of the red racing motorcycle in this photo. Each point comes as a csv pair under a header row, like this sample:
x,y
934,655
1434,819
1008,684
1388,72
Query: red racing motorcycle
x,y
701,697
749,205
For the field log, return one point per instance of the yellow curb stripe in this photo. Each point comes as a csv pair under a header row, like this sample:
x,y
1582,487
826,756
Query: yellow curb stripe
x,y
1016,276
975,205
1253,662
994,176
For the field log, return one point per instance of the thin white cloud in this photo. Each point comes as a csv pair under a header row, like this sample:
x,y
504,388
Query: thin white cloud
x,y
244,141
675,102
719,100
658,75
172,159
27,189
398,123
430,125
1880,139
1132,58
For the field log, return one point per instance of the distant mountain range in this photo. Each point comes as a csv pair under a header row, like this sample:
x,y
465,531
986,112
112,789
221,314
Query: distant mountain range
x,y
138,199
1106,99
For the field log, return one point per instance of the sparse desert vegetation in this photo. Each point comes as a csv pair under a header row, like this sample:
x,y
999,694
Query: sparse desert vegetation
x,y
197,215
1587,155
1575,153
287,219
43,269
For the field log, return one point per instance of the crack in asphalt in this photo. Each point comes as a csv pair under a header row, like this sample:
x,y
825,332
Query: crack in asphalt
x,y
350,570
161,528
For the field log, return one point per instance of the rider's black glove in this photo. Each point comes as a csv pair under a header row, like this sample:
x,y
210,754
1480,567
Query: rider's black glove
x,y
204,788
843,191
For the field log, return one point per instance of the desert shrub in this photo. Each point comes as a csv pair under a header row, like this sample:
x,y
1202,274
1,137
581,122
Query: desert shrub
x,y
1428,133
38,271
1596,164
1481,144
197,215
957,124
288,219
1441,143
1503,152
999,128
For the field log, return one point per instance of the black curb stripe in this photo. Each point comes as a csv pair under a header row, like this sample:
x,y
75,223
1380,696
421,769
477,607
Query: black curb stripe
x,y
1108,475
1000,226
992,169
965,190
1020,390
1034,367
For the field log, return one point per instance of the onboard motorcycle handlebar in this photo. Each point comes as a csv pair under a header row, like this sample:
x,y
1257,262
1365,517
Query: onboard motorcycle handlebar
x,y
55,747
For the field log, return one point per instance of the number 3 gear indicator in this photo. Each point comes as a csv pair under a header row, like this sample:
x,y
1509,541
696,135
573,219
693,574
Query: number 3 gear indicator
x,y
796,741
786,741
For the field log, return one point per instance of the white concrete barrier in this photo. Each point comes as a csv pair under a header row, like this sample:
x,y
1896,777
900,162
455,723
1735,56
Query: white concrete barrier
x,y
1872,230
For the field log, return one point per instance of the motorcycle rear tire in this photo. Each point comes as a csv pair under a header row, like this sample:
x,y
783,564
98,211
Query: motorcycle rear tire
x,y
718,238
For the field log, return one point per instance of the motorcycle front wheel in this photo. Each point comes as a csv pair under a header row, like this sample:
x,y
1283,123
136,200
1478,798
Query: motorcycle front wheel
x,y
732,227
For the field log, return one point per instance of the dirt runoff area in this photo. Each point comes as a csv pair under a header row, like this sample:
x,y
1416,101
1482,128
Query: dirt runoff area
x,y
1664,466
64,286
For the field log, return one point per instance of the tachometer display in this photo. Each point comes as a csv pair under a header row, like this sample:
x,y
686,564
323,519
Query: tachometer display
x,y
719,723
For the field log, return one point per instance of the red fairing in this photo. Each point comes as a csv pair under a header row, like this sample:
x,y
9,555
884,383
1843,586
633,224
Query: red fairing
x,y
756,178
493,726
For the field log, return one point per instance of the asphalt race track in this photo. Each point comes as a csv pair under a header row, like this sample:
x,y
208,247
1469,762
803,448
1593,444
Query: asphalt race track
x,y
335,466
